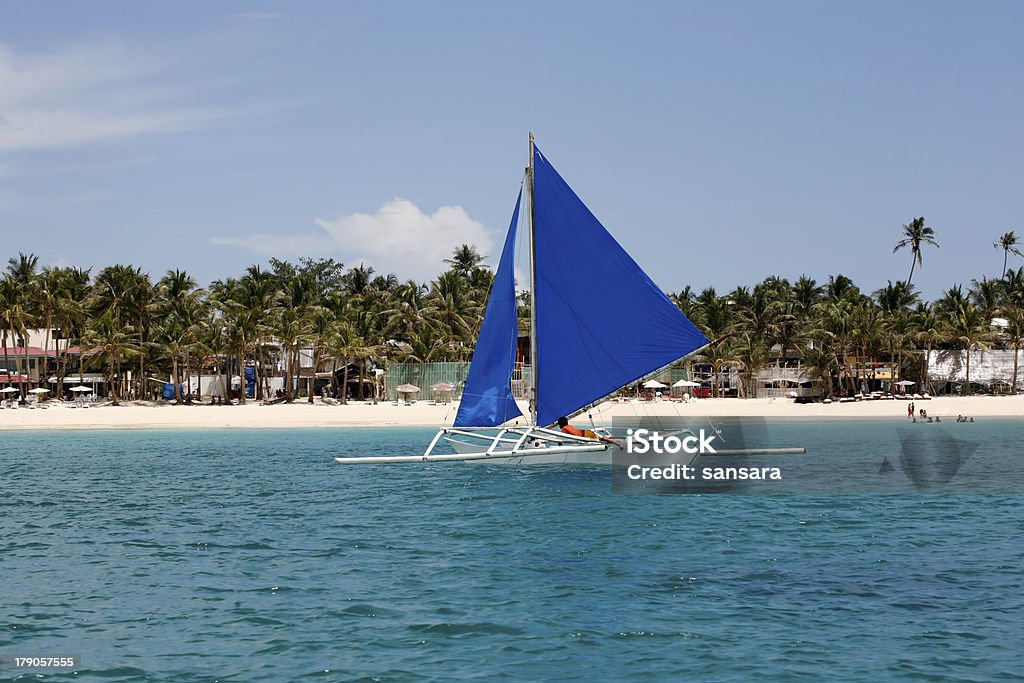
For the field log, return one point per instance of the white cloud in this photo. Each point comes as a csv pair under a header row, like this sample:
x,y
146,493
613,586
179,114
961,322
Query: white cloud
x,y
398,238
91,92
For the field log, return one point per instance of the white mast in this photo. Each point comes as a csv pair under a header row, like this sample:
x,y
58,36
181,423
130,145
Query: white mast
x,y
533,290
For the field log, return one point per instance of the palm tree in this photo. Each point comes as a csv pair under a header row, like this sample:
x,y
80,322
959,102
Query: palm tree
x,y
70,315
821,363
1015,336
172,336
343,344
293,329
720,355
1008,243
258,293
896,297
112,342
178,304
915,234
987,295
23,268
48,295
321,321
751,353
14,317
840,288
465,259
929,331
211,342
23,271
968,328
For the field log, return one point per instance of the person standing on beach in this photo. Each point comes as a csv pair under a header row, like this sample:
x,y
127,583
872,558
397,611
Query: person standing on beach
x,y
910,409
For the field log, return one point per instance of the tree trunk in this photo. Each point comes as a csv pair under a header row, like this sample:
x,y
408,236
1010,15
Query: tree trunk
x,y
142,360
241,375
24,385
344,384
334,377
362,379
316,366
259,391
112,383
967,391
44,372
1013,383
289,377
174,378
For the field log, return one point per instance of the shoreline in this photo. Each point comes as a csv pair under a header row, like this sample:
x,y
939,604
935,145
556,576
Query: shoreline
x,y
300,415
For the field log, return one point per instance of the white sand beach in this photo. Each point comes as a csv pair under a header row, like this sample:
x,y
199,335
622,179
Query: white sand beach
x,y
146,415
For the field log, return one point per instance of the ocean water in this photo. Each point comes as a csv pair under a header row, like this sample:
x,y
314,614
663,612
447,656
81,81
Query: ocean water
x,y
253,556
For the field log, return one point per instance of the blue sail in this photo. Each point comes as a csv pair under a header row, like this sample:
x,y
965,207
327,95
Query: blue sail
x,y
601,322
487,400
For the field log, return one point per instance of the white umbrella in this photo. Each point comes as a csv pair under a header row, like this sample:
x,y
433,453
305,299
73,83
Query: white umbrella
x,y
9,390
686,383
905,383
39,390
80,388
654,384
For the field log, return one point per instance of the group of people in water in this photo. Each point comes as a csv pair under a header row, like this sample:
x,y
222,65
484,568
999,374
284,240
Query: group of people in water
x,y
922,414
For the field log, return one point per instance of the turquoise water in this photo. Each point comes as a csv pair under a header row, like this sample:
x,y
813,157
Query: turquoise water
x,y
233,556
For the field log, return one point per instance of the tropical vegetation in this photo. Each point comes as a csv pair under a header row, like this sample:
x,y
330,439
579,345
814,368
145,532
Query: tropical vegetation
x,y
134,328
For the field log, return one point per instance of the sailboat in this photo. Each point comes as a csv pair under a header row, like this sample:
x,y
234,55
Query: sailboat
x,y
597,323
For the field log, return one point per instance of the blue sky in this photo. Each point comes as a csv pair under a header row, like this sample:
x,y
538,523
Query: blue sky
x,y
719,142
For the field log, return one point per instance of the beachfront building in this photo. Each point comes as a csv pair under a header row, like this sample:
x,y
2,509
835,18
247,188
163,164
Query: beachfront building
x,y
991,371
45,360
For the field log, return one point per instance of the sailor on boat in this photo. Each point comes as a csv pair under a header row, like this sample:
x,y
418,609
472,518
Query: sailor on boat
x,y
563,424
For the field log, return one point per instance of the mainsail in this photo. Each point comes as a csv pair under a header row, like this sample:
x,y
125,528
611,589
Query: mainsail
x,y
487,399
601,322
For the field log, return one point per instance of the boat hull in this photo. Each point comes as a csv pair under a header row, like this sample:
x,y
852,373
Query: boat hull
x,y
542,454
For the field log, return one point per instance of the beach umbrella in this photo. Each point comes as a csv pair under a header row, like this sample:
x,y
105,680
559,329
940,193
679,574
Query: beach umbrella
x,y
39,390
442,392
80,388
406,389
686,383
9,390
905,383
654,384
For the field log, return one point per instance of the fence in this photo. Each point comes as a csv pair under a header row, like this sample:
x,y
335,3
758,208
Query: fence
x,y
424,375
